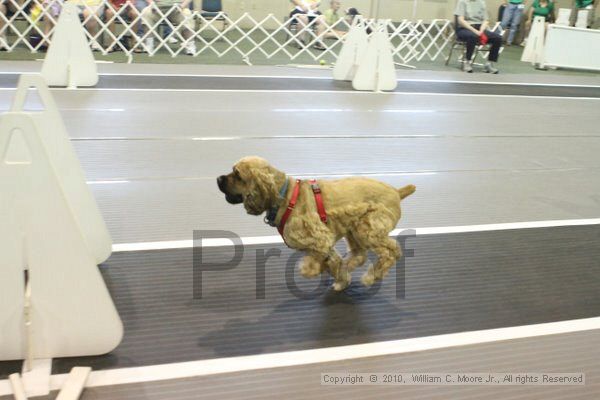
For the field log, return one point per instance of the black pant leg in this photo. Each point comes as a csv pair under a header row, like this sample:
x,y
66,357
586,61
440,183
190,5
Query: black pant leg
x,y
470,39
495,40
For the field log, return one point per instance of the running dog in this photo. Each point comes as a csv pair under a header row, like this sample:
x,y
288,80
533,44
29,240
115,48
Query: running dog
x,y
313,216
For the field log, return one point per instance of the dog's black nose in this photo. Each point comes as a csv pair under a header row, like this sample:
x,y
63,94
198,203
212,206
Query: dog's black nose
x,y
221,182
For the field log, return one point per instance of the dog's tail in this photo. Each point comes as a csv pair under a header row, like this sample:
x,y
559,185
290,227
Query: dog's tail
x,y
406,191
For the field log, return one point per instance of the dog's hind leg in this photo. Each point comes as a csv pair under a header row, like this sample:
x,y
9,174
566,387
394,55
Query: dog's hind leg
x,y
388,252
371,232
357,256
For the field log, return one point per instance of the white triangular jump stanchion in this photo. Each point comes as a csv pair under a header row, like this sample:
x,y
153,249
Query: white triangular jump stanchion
x,y
377,72
353,51
63,308
534,49
69,60
61,153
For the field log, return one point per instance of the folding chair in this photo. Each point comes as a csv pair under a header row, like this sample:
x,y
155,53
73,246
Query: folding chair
x,y
213,10
457,43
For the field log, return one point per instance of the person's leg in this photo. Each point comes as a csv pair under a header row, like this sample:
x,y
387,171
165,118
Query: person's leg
x,y
507,16
89,16
109,13
590,18
470,39
573,17
3,40
301,24
495,42
51,17
320,29
149,19
181,21
514,23
136,30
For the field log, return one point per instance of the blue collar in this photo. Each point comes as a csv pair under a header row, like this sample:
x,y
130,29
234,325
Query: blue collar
x,y
272,213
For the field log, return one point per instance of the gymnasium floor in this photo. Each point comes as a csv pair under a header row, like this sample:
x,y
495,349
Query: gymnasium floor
x,y
502,231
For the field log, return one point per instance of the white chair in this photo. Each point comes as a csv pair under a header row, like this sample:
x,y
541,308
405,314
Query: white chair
x,y
564,14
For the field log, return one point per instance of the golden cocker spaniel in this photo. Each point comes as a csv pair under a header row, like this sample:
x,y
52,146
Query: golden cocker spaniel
x,y
361,210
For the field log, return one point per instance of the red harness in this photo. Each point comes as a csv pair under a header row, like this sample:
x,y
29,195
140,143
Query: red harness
x,y
318,199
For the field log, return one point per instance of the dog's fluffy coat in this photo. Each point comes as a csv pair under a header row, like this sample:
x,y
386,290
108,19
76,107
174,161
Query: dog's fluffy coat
x,y
361,210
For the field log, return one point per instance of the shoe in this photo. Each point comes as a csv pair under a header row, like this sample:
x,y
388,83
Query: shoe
x,y
149,45
172,40
523,43
3,42
319,46
490,69
96,47
467,67
190,49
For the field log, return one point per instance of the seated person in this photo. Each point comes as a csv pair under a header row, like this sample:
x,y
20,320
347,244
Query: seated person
x,y
125,9
150,18
472,19
539,8
332,19
305,12
589,5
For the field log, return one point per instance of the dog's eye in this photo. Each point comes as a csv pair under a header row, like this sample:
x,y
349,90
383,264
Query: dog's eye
x,y
236,174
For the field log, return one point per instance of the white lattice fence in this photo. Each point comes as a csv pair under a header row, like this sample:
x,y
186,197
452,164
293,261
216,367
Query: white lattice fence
x,y
179,31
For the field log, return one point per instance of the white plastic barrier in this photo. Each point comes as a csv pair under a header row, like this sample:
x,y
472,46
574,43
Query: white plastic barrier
x,y
534,49
69,61
575,48
62,156
48,228
377,71
353,51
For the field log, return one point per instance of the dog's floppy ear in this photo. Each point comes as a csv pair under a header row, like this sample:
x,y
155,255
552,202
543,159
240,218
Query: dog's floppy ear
x,y
262,189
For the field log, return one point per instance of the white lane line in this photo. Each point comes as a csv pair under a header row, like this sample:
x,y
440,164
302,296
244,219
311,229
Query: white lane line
x,y
183,75
350,110
500,83
313,92
275,239
191,369
209,75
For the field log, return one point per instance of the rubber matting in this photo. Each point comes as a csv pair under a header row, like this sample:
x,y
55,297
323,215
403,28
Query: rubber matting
x,y
453,283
